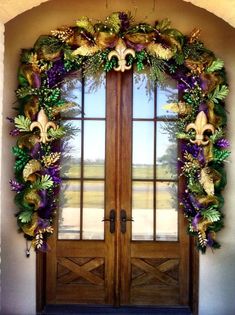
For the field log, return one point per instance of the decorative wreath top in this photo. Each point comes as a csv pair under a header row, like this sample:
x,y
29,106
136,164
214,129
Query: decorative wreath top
x,y
118,44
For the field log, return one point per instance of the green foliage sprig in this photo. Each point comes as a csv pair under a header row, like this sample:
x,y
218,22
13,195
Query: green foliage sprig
x,y
22,123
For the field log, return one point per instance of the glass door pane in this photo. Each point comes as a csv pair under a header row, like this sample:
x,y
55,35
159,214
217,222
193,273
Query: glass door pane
x,y
166,211
82,202
93,210
94,148
142,210
143,149
154,164
69,212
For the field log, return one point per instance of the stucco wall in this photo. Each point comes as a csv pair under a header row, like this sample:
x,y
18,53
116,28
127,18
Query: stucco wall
x,y
9,9
217,270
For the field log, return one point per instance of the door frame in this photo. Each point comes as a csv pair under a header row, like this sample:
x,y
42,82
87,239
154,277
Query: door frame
x,y
193,255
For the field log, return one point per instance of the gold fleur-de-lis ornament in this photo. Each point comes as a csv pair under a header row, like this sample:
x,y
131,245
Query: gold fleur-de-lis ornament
x,y
43,124
121,52
200,126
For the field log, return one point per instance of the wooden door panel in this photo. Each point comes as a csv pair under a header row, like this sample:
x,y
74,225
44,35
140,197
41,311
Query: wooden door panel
x,y
155,281
155,249
78,294
80,276
84,248
76,273
152,295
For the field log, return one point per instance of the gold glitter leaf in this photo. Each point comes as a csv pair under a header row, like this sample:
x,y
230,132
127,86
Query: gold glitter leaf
x,y
64,34
85,50
85,23
181,107
51,159
202,227
31,227
159,51
30,168
206,180
194,36
32,198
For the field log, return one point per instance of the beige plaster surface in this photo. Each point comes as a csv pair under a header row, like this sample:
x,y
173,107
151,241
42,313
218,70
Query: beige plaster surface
x,y
224,9
217,270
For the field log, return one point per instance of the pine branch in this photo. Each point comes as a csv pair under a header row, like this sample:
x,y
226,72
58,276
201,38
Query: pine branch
x,y
218,134
179,58
157,69
195,187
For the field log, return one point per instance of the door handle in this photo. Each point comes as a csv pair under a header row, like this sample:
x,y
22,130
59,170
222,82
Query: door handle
x,y
111,219
124,219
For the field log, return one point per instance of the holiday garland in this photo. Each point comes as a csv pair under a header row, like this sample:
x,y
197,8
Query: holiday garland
x,y
118,43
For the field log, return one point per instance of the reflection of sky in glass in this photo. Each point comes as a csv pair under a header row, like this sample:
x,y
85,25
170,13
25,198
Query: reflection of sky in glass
x,y
94,140
94,101
143,103
143,141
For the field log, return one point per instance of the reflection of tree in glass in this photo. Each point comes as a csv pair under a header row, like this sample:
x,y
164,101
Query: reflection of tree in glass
x,y
169,159
94,83
174,195
171,93
71,91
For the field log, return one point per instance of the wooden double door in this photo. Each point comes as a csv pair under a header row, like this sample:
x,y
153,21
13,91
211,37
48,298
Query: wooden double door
x,y
120,237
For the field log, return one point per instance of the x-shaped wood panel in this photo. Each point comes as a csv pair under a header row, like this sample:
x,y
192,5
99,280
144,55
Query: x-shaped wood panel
x,y
151,272
83,271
